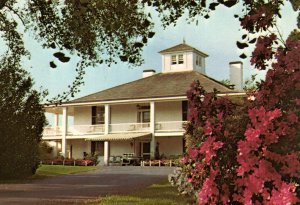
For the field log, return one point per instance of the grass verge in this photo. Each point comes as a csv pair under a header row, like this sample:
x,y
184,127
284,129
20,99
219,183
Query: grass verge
x,y
50,170
54,170
156,194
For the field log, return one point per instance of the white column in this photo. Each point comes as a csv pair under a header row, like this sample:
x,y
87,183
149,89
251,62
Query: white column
x,y
64,131
56,119
106,131
106,153
106,119
152,130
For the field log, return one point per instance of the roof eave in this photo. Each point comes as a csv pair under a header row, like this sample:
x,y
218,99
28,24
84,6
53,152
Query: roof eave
x,y
187,50
137,100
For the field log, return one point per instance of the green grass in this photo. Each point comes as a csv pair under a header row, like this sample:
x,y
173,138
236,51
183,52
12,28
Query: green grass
x,y
50,170
156,194
54,170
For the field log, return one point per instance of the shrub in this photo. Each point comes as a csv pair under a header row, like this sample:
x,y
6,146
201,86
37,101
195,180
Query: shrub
x,y
21,124
248,154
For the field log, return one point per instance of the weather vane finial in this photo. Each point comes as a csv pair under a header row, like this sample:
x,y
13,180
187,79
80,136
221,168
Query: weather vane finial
x,y
183,40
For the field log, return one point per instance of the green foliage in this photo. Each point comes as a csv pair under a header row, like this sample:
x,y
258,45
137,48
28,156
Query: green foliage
x,y
110,31
45,151
21,124
250,85
158,194
226,82
97,32
93,157
294,35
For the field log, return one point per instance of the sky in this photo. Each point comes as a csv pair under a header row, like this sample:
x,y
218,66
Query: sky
x,y
216,37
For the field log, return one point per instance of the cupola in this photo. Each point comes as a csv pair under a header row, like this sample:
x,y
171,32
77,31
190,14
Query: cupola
x,y
183,57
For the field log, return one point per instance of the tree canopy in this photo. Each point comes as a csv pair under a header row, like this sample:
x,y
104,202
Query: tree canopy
x,y
111,30
22,122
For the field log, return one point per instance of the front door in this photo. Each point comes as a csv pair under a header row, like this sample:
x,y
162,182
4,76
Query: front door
x,y
145,150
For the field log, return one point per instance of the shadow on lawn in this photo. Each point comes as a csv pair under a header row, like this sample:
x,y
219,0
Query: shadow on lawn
x,y
158,194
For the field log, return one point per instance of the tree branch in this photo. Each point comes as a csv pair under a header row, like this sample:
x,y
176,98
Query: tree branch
x,y
15,12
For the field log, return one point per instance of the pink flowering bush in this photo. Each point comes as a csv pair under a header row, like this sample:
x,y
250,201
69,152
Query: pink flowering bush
x,y
268,157
242,152
212,138
248,152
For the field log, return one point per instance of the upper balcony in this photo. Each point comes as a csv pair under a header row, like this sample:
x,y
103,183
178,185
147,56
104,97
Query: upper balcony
x,y
85,130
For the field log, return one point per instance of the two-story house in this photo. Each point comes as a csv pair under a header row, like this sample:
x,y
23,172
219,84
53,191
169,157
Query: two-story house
x,y
137,117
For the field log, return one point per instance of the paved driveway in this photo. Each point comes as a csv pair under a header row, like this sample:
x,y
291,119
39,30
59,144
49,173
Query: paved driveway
x,y
76,188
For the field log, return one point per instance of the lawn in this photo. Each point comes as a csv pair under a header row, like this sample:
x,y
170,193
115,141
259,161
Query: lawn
x,y
156,194
54,170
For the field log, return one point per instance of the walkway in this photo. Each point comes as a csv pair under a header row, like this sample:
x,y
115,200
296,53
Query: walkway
x,y
77,188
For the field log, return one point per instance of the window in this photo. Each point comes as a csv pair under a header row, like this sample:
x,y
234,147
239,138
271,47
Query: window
x,y
180,59
177,59
97,115
173,60
198,60
144,116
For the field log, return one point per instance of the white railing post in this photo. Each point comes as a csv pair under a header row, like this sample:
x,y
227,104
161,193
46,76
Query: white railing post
x,y
64,131
106,131
152,130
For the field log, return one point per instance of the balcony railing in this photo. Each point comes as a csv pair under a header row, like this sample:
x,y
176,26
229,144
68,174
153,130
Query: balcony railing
x,y
170,126
75,130
166,126
53,131
129,127
86,129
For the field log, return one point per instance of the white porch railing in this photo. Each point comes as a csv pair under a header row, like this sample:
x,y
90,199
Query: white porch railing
x,y
166,126
53,131
86,129
170,126
129,127
74,130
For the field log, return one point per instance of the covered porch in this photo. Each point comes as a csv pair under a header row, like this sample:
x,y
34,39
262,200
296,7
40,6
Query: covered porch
x,y
114,124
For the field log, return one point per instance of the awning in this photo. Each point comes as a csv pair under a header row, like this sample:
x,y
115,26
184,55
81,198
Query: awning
x,y
119,136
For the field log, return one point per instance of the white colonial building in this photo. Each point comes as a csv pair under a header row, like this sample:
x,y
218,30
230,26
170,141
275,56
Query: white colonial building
x,y
137,117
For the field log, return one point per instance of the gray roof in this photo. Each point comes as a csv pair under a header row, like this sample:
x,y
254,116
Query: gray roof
x,y
182,47
159,85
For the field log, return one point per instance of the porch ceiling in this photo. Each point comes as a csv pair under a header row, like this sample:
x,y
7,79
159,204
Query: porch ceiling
x,y
58,110
119,136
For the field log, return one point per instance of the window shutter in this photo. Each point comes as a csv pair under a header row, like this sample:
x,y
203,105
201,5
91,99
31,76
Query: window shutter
x,y
94,115
184,110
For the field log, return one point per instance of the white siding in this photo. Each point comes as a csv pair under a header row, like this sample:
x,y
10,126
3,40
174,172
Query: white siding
x,y
118,148
168,111
78,147
82,116
199,68
126,113
123,114
189,61
170,145
186,66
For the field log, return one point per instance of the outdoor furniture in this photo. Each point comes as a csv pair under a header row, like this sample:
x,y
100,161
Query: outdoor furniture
x,y
115,160
130,159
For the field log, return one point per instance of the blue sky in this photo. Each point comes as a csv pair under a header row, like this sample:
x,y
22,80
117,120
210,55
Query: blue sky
x,y
217,37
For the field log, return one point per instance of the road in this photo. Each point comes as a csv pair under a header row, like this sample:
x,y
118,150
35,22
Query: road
x,y
77,188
